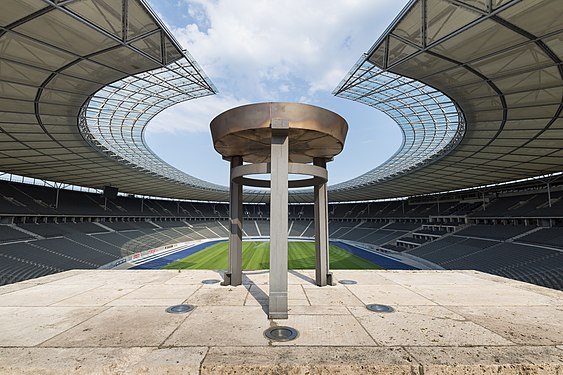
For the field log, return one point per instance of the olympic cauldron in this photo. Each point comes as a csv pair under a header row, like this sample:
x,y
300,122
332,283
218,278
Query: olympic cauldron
x,y
278,139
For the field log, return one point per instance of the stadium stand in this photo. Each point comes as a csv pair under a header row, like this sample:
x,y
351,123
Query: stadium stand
x,y
297,227
13,270
494,232
170,224
9,234
514,260
249,227
528,205
264,226
545,236
513,234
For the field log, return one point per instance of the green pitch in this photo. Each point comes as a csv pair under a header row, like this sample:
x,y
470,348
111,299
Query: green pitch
x,y
256,256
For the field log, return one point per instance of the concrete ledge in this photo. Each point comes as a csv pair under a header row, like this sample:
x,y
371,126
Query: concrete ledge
x,y
445,322
283,360
317,360
87,361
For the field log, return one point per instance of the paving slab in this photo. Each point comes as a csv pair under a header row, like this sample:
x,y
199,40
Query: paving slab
x,y
528,325
123,277
44,294
487,276
162,302
224,326
102,322
311,360
488,360
557,294
195,277
256,277
318,310
216,295
31,326
324,330
87,361
260,292
5,289
362,277
434,277
264,302
395,295
98,296
122,327
55,276
494,294
163,291
303,277
258,295
331,295
424,325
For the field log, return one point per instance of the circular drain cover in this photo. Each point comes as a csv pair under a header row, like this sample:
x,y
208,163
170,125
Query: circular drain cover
x,y
347,282
211,281
281,333
380,308
180,309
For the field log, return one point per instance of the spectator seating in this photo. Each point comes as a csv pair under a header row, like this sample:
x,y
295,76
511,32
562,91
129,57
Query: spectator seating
x,y
298,227
545,236
249,227
85,230
495,232
8,234
264,226
539,265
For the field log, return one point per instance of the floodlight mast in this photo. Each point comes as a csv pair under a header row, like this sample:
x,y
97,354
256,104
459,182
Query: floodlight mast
x,y
278,139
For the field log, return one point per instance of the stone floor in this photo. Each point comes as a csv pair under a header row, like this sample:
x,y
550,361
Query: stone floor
x,y
461,322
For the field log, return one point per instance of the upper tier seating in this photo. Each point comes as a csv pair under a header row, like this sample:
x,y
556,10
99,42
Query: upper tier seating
x,y
545,236
495,232
531,205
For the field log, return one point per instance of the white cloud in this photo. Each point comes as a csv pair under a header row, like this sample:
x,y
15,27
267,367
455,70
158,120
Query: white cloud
x,y
192,116
275,50
262,50
255,47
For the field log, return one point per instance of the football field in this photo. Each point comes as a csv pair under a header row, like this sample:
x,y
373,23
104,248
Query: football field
x,y
256,256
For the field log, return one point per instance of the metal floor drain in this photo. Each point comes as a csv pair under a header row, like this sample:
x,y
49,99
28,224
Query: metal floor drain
x,y
347,282
281,333
380,308
211,281
180,309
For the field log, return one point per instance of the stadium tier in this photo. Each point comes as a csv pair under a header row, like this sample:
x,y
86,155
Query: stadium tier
x,y
473,86
37,238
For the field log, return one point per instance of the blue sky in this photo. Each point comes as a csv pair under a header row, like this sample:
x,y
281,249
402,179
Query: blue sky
x,y
286,50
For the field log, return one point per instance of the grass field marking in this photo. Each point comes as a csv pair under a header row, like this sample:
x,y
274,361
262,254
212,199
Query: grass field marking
x,y
256,256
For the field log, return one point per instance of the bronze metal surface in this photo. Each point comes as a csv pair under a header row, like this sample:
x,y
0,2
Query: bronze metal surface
x,y
319,175
246,131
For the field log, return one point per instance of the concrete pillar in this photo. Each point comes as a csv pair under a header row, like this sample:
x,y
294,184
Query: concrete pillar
x,y
322,275
278,220
234,273
59,190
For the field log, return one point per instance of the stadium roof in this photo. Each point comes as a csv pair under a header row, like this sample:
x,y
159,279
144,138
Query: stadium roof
x,y
476,86
79,80
498,61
